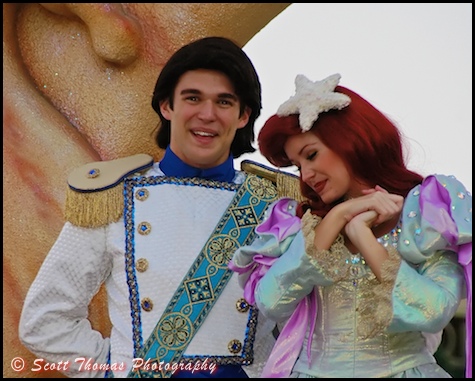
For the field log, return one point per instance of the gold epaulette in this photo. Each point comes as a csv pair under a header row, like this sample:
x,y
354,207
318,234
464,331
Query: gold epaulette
x,y
288,185
95,196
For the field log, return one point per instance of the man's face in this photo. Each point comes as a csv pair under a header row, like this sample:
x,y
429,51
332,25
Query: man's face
x,y
204,119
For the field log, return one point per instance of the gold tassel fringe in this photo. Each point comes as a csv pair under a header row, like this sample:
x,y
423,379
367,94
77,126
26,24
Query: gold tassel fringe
x,y
288,186
94,209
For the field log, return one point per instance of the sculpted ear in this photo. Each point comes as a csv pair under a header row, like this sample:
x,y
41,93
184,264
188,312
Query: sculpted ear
x,y
115,36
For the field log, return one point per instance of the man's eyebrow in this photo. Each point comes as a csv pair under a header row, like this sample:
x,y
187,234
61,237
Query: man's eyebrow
x,y
220,95
228,96
190,91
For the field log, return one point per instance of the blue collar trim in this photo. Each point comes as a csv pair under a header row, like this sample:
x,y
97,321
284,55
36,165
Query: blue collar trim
x,y
171,165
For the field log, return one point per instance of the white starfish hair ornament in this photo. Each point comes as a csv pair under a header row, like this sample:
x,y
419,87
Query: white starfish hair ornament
x,y
313,98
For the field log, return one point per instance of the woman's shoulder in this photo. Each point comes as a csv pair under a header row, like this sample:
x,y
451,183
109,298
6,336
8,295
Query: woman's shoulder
x,y
437,215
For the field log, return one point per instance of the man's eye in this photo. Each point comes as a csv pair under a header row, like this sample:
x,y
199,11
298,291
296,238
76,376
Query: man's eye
x,y
225,102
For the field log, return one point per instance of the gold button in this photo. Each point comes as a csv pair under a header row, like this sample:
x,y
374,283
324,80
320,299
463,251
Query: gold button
x,y
142,194
144,228
242,305
141,265
147,304
234,346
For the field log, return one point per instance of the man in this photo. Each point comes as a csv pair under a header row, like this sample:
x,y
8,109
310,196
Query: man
x,y
160,235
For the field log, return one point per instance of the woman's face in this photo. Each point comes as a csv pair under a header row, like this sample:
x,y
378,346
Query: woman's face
x,y
320,167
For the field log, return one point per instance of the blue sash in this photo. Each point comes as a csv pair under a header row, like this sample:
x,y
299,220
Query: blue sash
x,y
206,278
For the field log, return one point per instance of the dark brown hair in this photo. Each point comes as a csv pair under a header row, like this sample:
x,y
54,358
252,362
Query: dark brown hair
x,y
223,55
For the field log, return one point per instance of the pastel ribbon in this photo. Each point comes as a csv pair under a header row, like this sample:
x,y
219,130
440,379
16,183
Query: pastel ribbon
x,y
435,208
290,341
281,223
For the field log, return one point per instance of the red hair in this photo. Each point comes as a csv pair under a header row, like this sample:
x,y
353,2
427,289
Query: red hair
x,y
367,141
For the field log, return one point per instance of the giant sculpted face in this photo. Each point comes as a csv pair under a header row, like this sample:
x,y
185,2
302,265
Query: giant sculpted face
x,y
77,87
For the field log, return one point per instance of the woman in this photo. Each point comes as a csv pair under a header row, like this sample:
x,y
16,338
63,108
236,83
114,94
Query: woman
x,y
369,267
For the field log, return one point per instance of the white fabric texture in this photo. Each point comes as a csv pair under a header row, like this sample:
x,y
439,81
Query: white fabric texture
x,y
54,321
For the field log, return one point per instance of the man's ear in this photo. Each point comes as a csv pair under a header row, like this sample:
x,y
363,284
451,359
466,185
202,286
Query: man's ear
x,y
244,119
165,109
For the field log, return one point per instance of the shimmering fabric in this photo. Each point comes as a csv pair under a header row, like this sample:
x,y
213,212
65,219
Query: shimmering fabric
x,y
445,212
367,328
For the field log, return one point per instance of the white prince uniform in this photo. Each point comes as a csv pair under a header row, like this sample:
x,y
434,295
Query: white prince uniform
x,y
143,258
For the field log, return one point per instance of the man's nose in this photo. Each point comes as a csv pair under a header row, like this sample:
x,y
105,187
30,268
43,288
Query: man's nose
x,y
207,109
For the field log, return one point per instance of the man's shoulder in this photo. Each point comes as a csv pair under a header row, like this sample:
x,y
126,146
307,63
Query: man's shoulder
x,y
287,184
94,195
101,175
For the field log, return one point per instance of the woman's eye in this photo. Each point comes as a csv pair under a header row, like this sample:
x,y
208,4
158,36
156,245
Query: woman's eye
x,y
311,156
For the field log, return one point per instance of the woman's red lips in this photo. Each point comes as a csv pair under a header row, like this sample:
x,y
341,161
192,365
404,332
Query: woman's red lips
x,y
318,187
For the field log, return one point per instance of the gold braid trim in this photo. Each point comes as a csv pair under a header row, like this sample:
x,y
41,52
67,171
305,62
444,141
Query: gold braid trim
x,y
376,301
94,209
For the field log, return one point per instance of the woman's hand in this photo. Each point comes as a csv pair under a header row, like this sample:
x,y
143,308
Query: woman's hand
x,y
386,206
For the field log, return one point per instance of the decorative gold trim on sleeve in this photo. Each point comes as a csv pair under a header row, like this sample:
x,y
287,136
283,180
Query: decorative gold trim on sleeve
x,y
329,261
375,310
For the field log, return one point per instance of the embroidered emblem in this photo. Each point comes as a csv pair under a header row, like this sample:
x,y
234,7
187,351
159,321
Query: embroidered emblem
x,y
175,331
244,216
199,290
262,189
220,250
